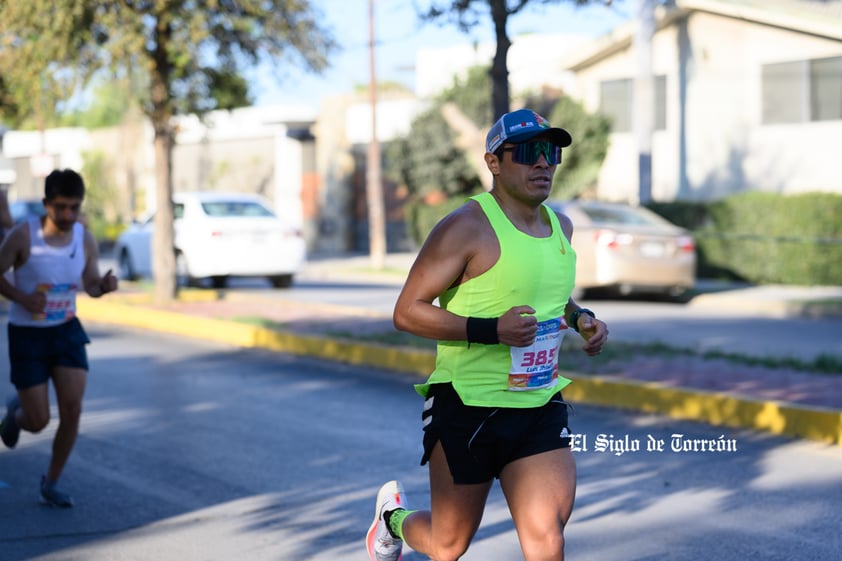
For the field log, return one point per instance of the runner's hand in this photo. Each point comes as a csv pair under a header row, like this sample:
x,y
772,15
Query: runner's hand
x,y
594,332
34,303
108,283
517,327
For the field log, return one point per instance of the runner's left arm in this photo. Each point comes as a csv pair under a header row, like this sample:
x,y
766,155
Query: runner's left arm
x,y
95,284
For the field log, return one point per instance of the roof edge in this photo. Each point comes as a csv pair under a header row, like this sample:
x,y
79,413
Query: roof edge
x,y
619,38
622,36
830,30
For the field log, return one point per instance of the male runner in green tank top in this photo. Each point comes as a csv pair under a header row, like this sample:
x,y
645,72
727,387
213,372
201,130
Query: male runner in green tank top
x,y
503,271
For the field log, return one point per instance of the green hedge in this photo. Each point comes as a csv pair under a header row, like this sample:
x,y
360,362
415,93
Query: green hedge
x,y
765,237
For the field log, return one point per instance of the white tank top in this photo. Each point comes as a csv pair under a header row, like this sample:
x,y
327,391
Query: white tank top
x,y
57,271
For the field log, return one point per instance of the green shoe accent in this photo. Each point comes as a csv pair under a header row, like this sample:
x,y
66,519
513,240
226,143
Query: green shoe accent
x,y
394,521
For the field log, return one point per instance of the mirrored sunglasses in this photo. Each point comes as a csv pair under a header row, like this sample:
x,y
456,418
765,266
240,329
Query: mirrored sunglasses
x,y
527,153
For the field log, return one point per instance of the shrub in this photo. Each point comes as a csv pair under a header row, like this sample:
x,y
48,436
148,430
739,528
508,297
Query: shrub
x,y
765,237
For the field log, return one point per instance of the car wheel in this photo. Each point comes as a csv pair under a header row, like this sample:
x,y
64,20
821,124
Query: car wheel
x,y
125,268
281,281
679,294
182,271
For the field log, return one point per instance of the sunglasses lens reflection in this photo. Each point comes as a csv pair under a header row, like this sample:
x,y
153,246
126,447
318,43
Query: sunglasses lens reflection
x,y
529,152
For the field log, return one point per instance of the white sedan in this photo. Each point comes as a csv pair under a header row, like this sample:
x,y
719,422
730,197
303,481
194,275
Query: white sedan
x,y
217,236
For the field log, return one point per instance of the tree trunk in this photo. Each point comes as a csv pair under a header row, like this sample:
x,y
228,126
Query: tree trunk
x,y
374,184
163,242
644,98
499,68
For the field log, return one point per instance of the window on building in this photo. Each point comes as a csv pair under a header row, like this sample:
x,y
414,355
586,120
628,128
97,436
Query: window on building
x,y
800,91
826,89
615,103
783,92
616,100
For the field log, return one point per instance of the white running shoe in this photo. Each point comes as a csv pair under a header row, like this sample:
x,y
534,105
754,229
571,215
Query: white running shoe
x,y
379,542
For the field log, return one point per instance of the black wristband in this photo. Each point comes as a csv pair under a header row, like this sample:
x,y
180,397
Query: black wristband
x,y
482,330
574,317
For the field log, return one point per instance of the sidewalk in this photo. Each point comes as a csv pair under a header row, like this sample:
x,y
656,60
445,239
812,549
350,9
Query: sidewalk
x,y
771,300
777,400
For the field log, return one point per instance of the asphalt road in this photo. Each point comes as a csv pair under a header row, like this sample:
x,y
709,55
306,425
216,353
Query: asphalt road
x,y
197,452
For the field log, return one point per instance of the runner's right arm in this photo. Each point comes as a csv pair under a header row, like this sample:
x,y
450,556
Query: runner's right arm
x,y
14,252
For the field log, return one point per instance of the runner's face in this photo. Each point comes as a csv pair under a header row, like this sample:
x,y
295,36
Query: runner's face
x,y
63,212
531,182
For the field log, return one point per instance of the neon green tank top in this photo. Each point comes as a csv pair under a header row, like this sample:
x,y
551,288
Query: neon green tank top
x,y
538,272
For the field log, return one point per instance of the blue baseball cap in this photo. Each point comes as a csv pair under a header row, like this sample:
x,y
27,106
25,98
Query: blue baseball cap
x,y
521,125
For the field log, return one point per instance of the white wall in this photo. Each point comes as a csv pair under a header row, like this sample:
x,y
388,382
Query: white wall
x,y
288,178
265,130
394,118
41,153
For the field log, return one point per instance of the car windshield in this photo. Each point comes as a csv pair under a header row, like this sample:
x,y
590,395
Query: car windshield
x,y
235,208
603,215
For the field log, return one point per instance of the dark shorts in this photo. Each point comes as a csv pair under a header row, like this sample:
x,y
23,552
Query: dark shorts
x,y
35,351
479,441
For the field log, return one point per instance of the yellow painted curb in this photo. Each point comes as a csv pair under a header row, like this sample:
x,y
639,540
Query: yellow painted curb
x,y
249,336
814,423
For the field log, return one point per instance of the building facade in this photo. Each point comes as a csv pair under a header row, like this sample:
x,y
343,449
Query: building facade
x,y
748,97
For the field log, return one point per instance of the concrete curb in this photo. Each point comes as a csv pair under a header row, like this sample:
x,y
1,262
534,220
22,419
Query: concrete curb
x,y
813,423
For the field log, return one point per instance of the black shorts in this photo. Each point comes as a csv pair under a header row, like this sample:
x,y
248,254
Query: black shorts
x,y
35,351
479,441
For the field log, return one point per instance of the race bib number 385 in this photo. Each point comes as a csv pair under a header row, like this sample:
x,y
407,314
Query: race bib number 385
x,y
536,367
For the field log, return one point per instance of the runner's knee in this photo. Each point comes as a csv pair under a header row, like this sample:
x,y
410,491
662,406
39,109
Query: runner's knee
x,y
447,544
450,550
35,421
548,544
70,411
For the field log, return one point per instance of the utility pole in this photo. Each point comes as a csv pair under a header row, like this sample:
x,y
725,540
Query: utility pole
x,y
644,98
374,185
